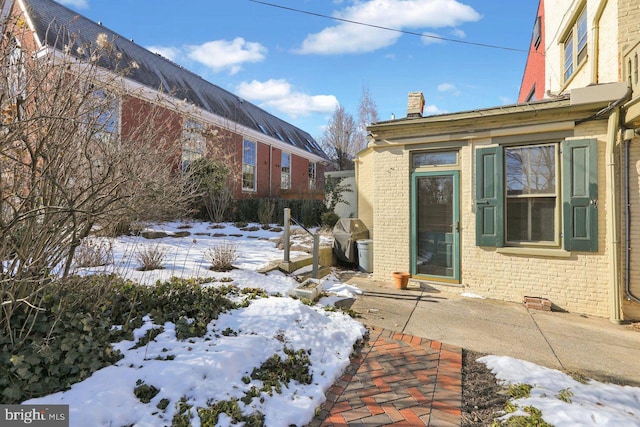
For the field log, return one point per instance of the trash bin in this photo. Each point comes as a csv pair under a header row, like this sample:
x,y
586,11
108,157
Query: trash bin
x,y
365,255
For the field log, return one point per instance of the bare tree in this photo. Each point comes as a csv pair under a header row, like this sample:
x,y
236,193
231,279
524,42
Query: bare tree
x,y
367,114
65,164
339,140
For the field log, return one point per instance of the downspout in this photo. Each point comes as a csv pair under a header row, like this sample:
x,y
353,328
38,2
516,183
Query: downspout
x,y
613,128
615,305
627,222
270,167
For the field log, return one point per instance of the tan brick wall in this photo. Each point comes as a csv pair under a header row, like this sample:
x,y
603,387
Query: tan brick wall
x,y
391,212
608,70
628,16
558,15
578,283
365,181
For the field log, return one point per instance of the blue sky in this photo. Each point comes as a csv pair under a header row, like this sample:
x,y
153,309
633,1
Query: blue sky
x,y
298,66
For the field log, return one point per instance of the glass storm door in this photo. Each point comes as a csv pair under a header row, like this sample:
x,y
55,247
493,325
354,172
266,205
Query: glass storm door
x,y
435,225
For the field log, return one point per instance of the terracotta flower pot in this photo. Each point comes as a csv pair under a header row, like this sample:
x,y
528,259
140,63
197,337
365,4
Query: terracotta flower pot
x,y
401,279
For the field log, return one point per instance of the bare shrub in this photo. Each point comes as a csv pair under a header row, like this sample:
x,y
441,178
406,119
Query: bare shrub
x,y
70,160
266,209
218,203
212,179
222,255
93,252
151,257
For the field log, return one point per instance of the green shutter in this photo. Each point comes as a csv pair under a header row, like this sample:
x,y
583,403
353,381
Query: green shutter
x,y
580,194
489,197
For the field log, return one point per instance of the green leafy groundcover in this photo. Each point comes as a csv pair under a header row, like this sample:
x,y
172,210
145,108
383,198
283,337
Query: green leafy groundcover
x,y
71,337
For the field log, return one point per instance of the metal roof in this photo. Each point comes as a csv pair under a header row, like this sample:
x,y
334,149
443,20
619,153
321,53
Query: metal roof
x,y
159,73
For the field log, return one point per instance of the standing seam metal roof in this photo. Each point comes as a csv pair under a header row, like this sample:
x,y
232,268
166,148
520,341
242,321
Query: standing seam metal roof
x,y
159,73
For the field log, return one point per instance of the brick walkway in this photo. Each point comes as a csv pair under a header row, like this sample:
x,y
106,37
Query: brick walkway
x,y
399,380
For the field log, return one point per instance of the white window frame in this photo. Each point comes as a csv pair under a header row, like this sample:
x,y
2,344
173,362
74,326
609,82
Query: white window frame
x,y
249,165
16,76
312,175
575,46
193,141
285,171
105,120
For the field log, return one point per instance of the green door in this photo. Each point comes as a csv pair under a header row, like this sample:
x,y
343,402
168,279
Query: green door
x,y
435,225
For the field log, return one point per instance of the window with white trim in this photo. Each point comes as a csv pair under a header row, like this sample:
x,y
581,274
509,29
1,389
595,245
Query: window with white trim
x,y
103,115
575,46
285,171
312,176
16,77
538,195
193,141
248,166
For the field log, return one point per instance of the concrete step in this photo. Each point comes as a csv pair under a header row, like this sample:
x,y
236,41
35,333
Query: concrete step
x,y
325,255
322,271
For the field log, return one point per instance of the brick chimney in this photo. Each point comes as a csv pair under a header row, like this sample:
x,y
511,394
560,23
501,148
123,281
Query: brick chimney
x,y
416,104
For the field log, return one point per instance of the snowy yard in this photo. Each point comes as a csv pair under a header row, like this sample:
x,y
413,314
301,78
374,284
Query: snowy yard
x,y
198,372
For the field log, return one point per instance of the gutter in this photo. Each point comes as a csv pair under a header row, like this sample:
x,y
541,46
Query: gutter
x,y
615,306
627,221
613,128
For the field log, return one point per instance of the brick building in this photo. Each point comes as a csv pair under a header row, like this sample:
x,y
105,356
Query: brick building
x,y
524,200
268,156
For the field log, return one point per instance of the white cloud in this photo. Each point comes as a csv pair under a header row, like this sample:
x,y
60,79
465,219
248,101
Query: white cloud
x,y
279,95
505,100
445,87
221,55
431,38
397,14
458,33
171,53
80,4
448,88
431,110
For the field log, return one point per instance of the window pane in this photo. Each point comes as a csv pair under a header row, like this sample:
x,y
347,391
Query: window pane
x,y
568,56
582,36
312,175
531,219
434,159
285,167
248,177
249,153
531,170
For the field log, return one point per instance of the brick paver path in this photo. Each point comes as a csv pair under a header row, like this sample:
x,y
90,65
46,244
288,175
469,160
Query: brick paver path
x,y
398,380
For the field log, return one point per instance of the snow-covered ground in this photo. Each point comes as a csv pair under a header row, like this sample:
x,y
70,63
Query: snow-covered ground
x,y
564,401
216,366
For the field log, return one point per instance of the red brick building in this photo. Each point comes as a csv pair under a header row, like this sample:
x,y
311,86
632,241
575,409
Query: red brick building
x,y
533,80
268,156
